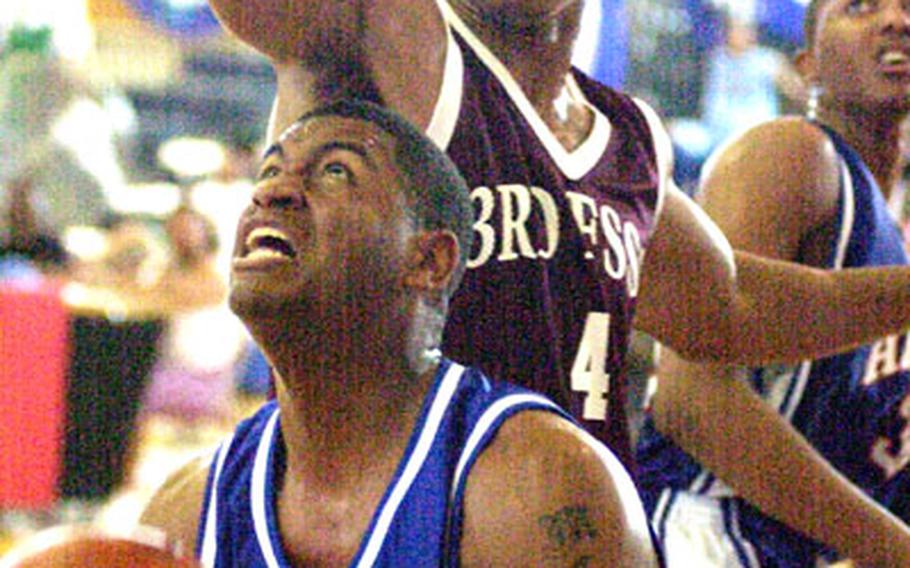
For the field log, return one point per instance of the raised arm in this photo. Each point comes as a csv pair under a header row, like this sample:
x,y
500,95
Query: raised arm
x,y
546,494
709,303
391,49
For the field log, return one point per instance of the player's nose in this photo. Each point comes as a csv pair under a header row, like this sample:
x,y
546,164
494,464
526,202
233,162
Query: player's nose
x,y
278,194
895,16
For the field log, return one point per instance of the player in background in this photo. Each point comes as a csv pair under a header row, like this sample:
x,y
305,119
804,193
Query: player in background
x,y
783,465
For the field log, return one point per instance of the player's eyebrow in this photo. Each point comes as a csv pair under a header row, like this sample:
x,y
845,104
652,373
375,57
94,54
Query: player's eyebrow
x,y
274,148
354,147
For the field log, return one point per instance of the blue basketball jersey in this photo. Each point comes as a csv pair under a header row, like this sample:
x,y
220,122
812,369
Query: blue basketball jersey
x,y
853,408
549,296
418,522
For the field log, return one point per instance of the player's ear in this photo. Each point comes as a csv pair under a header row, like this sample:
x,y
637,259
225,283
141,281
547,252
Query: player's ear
x,y
804,62
433,260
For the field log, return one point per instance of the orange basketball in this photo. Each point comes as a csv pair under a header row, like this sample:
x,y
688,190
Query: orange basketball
x,y
80,547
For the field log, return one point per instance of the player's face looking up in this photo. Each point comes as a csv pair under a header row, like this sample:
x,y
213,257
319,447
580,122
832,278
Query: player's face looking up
x,y
328,224
861,54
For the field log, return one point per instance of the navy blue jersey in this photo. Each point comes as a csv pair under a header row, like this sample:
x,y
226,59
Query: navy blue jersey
x,y
853,408
549,296
418,522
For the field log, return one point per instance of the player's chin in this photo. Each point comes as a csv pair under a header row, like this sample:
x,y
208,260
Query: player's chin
x,y
898,103
251,303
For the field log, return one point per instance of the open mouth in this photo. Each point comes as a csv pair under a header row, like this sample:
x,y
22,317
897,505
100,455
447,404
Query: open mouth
x,y
894,60
266,242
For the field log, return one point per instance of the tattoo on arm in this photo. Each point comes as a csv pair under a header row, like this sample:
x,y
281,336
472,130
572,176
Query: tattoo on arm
x,y
569,526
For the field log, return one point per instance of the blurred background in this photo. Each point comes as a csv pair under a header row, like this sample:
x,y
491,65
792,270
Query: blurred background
x,y
129,132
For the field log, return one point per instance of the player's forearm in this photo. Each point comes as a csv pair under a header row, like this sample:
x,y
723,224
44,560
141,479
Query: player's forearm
x,y
288,29
712,416
787,312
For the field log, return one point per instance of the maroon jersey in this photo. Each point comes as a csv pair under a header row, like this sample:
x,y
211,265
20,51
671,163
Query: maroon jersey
x,y
553,274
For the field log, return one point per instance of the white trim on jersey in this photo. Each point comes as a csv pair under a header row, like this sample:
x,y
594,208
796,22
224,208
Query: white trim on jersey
x,y
575,164
415,462
258,492
209,542
631,503
848,217
636,517
448,105
736,532
663,150
486,420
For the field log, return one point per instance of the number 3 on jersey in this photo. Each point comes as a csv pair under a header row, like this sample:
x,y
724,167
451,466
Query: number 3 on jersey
x,y
589,370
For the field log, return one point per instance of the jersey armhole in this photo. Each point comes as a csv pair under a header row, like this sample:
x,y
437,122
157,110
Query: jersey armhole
x,y
663,151
206,545
448,103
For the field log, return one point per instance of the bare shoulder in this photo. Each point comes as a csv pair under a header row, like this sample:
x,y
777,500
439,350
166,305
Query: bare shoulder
x,y
177,505
545,493
781,174
784,150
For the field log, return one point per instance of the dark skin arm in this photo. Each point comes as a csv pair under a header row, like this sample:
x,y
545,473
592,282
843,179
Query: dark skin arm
x,y
775,212
322,50
541,496
751,306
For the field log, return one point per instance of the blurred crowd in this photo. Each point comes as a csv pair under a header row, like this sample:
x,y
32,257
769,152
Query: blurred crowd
x,y
150,337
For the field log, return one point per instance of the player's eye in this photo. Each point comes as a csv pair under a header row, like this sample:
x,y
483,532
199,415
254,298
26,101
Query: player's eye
x,y
859,6
337,170
269,171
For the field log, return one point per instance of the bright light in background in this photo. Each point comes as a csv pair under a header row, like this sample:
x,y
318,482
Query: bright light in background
x,y
186,4
86,243
87,130
73,37
191,157
743,10
222,204
150,198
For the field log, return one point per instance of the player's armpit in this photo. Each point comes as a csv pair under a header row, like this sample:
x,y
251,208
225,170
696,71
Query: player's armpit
x,y
177,504
545,493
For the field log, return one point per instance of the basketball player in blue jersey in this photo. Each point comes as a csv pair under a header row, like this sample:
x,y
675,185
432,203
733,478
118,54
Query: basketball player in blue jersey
x,y
800,477
378,451
578,226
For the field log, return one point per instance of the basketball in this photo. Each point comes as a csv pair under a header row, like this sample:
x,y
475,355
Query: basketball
x,y
82,547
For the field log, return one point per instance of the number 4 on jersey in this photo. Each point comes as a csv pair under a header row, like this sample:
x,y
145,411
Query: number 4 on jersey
x,y
588,372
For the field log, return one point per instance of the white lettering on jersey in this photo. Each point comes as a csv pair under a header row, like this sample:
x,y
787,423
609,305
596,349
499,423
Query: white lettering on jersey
x,y
507,237
516,208
484,232
632,241
584,210
891,457
886,360
551,220
623,253
589,374
615,262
